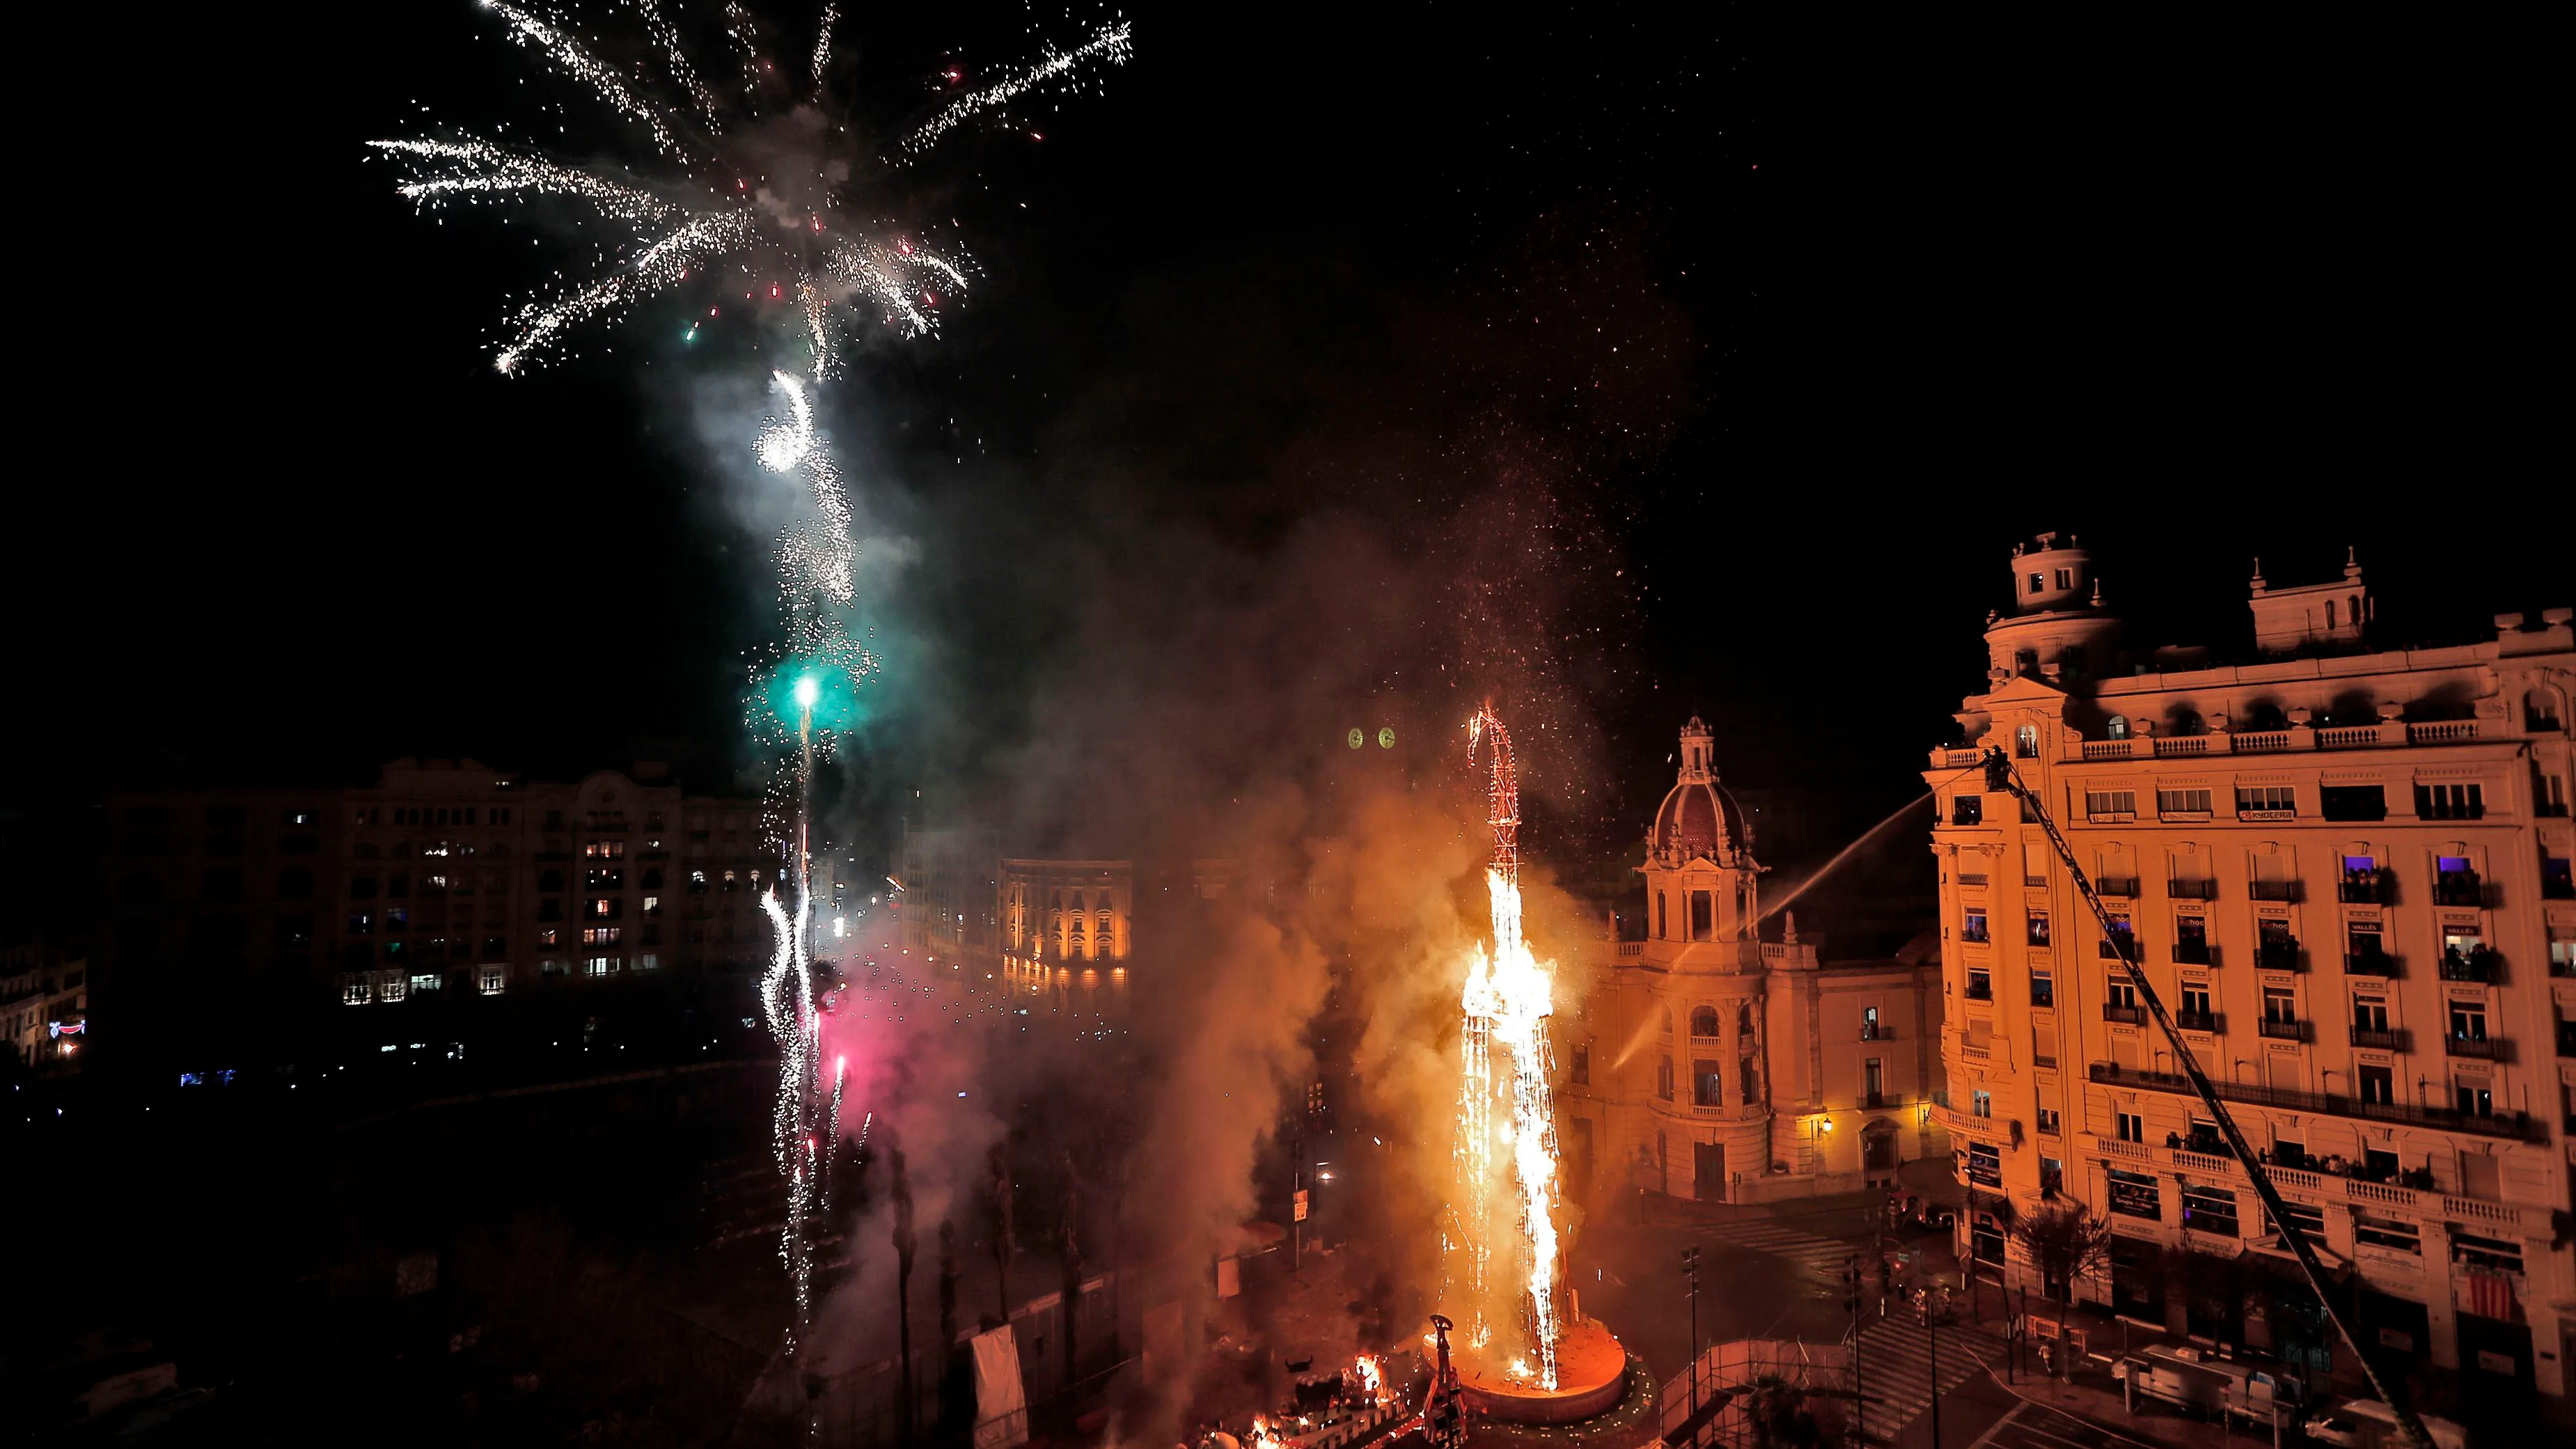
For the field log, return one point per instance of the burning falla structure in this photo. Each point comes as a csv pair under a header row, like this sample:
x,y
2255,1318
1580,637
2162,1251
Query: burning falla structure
x,y
1525,1354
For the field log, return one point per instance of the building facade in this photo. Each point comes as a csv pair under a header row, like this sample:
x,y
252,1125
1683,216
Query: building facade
x,y
1709,1063
44,1006
2344,870
442,879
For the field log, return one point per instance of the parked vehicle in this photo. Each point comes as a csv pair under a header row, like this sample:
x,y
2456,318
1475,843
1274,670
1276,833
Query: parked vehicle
x,y
2210,1387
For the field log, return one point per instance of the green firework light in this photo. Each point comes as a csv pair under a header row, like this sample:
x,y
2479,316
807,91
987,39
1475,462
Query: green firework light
x,y
821,685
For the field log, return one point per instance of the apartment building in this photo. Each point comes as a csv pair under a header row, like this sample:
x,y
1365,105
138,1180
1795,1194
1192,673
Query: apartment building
x,y
2345,870
228,911
44,1006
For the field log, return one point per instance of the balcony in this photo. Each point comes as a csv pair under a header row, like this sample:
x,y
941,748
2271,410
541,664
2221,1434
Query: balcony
x,y
1873,1031
2367,888
2458,888
2192,890
2116,885
2567,1038
2516,1125
2109,948
1972,877
2191,953
1979,991
2370,963
2280,1030
2481,965
2280,956
2210,1021
2482,1048
2272,890
2114,1011
2261,742
2035,882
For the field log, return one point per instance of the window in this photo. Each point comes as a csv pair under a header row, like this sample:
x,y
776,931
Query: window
x,y
2469,1020
2280,1005
2038,583
1873,1082
1967,809
2182,802
1983,1103
2378,1085
2026,743
1744,1021
2122,942
1703,1021
2103,804
2475,1098
599,935
2391,1233
2116,728
1708,1085
2450,802
2209,1210
2121,993
606,908
1869,1029
2043,989
2496,1255
1664,1078
428,981
2263,800
362,923
1985,1164
1581,1074
2363,941
2195,998
1663,917
604,850
653,907
495,980
2133,1194
2066,578
604,878
1748,1081
2369,1013
649,961
600,965
2133,1128
362,888
1703,919
358,992
1972,927
2307,1222
2039,928
1981,984
2191,940
2352,802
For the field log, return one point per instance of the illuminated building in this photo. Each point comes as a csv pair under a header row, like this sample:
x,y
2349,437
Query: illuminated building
x,y
1709,1063
44,1006
2344,869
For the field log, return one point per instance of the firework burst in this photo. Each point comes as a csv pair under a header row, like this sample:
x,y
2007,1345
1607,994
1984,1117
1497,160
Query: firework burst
x,y
758,185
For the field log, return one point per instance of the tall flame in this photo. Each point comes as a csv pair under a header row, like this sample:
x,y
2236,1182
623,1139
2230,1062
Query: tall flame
x,y
1506,1003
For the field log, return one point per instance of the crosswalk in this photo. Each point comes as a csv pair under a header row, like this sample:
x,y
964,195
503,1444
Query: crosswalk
x,y
1896,1369
1818,1258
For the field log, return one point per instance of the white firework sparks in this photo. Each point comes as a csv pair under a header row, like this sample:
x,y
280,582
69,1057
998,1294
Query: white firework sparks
x,y
760,188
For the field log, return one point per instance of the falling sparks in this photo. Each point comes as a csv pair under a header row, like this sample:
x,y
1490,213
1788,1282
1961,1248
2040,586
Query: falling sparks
x,y
1506,1003
758,177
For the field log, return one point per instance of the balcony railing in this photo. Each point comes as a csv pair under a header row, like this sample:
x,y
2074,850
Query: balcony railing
x,y
2481,965
2484,1048
1873,1031
2458,888
2261,742
2191,953
2214,1021
2370,963
2502,1124
2116,885
2284,1030
1976,991
2113,1011
2367,888
2388,734
2272,890
2192,890
2386,1039
2109,947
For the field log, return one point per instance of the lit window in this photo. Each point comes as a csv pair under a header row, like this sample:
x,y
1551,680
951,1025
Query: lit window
x,y
358,992
495,980
600,965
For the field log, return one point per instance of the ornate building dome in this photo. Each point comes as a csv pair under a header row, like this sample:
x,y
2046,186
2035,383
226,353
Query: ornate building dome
x,y
1699,818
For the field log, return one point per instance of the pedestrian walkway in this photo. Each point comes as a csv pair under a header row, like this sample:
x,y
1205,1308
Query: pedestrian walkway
x,y
1896,1361
1819,1258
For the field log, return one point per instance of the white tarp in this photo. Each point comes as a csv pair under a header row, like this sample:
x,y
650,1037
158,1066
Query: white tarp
x,y
1001,1405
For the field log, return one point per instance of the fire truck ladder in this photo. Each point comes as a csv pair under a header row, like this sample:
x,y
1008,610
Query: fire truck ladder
x,y
2001,776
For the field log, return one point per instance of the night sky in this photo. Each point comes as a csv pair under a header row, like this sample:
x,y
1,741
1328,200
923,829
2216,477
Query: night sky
x,y
1674,365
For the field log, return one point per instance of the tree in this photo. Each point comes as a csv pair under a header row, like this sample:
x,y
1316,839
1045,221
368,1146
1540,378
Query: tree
x,y
1777,1411
2064,1242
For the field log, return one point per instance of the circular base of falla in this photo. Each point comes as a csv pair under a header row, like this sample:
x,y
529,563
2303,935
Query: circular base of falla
x,y
1591,1378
